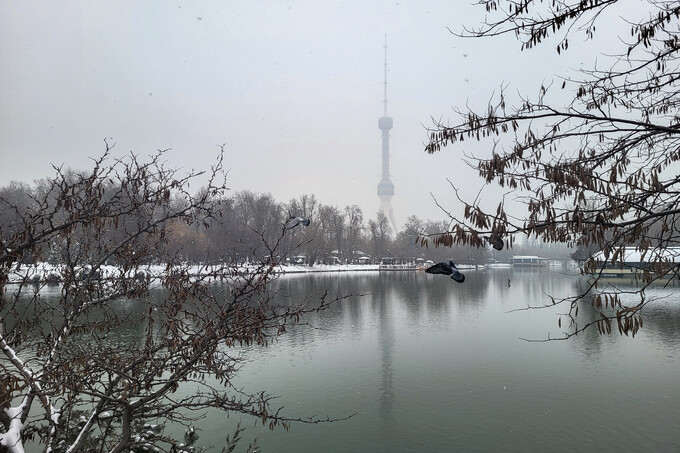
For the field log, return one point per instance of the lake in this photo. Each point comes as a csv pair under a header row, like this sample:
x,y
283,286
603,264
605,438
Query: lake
x,y
427,364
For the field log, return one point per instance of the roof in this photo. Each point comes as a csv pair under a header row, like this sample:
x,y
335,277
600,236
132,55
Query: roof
x,y
632,255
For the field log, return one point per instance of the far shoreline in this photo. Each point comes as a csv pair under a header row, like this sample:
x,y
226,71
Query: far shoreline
x,y
45,273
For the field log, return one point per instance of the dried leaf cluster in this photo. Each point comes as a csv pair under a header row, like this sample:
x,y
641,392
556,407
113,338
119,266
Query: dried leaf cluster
x,y
600,172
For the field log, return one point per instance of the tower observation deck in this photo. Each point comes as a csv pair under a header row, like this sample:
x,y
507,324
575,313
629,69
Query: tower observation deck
x,y
385,186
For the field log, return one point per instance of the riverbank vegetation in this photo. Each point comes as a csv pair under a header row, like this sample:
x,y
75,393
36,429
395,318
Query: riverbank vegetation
x,y
590,159
63,384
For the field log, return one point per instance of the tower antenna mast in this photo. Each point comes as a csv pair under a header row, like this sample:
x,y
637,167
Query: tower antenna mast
x,y
385,82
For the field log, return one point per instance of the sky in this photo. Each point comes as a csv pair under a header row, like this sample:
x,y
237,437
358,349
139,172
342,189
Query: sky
x,y
292,89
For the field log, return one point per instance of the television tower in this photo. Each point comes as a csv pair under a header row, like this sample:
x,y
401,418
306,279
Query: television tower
x,y
385,187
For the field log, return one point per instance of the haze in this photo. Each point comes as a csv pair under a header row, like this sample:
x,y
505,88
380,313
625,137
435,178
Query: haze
x,y
293,89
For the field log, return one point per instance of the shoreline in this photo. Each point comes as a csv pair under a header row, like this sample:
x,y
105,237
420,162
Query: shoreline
x,y
42,273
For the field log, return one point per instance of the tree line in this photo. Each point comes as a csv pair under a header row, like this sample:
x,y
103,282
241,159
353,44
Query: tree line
x,y
242,228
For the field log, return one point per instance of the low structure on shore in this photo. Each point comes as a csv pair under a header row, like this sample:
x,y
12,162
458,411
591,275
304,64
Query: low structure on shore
x,y
529,261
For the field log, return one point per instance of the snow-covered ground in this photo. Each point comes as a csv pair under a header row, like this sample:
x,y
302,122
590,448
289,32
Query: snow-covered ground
x,y
44,272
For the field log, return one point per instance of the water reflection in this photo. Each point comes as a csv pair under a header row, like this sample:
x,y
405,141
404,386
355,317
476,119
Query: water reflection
x,y
386,343
388,301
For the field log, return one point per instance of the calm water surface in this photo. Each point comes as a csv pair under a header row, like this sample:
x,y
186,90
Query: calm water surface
x,y
427,364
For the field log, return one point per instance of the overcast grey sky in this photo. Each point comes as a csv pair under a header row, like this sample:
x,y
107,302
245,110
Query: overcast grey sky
x,y
292,88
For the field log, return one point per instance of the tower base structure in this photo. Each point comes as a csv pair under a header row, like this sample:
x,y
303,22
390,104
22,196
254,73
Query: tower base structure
x,y
386,208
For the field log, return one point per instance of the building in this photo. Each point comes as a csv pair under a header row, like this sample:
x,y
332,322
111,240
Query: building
x,y
529,261
635,261
385,186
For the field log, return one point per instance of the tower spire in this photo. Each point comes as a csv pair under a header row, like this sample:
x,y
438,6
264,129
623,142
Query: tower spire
x,y
385,82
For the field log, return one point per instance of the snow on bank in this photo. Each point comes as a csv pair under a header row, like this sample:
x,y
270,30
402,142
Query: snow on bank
x,y
44,272
291,268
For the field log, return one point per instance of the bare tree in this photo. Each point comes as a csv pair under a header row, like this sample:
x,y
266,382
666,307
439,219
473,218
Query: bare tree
x,y
380,235
333,224
597,171
354,230
405,243
309,240
64,382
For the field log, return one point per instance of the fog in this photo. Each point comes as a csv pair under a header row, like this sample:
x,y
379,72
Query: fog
x,y
293,89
